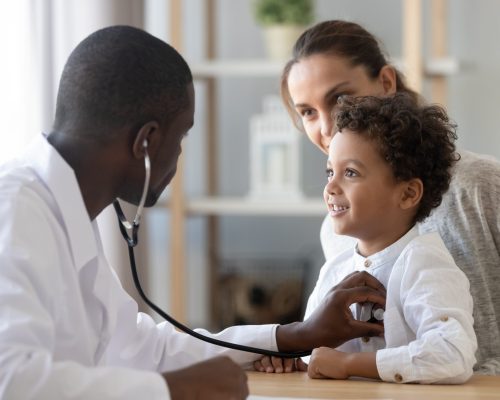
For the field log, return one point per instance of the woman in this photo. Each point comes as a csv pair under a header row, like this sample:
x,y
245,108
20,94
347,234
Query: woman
x,y
335,58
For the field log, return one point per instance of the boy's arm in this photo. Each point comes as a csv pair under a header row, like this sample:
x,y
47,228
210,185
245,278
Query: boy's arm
x,y
329,363
435,306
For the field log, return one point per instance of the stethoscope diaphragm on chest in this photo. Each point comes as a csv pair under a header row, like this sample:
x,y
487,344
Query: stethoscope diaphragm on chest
x,y
369,312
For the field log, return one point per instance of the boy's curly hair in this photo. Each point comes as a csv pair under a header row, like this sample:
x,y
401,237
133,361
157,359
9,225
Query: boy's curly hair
x,y
416,141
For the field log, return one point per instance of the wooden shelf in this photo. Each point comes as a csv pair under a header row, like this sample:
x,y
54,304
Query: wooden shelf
x,y
240,206
442,66
265,68
235,68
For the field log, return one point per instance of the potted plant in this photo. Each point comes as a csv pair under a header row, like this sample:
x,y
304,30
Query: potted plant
x,y
283,21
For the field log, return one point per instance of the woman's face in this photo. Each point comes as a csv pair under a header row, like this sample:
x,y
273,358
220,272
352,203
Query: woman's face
x,y
315,84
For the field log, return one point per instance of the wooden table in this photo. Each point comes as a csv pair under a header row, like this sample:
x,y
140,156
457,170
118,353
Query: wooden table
x,y
298,384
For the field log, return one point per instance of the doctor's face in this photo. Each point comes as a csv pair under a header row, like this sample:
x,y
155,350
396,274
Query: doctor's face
x,y
164,165
316,82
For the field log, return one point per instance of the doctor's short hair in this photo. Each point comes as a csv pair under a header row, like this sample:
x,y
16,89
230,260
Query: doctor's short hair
x,y
416,141
119,77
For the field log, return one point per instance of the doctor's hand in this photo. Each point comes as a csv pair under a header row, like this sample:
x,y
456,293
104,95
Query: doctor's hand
x,y
215,379
332,323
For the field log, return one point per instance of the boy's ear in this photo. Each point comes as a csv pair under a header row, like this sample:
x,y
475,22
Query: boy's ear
x,y
412,193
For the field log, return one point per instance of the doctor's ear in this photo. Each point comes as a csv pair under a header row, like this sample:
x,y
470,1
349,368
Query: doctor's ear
x,y
145,139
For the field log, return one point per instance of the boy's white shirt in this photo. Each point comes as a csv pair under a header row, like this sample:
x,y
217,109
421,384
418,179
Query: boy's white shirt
x,y
429,335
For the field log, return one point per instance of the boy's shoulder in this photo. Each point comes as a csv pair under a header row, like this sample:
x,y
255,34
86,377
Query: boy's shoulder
x,y
423,241
423,259
427,248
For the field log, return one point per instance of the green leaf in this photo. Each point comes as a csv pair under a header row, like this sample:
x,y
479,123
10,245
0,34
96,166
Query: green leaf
x,y
293,12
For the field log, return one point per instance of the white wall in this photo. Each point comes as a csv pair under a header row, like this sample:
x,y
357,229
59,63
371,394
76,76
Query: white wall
x,y
474,96
473,102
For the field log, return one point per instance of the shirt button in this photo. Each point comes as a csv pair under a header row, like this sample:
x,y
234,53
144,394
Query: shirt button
x,y
444,318
367,263
398,378
365,339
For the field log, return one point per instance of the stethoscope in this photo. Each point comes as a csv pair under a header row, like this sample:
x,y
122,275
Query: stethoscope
x,y
132,240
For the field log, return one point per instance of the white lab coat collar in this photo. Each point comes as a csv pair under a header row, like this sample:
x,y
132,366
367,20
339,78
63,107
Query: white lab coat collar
x,y
60,179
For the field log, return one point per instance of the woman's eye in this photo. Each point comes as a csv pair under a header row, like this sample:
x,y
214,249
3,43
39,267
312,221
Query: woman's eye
x,y
306,113
350,173
334,99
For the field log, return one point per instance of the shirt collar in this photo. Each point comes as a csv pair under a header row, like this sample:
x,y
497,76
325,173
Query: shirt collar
x,y
61,181
387,255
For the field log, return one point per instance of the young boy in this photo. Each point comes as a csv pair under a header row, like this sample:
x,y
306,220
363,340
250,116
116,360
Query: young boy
x,y
388,167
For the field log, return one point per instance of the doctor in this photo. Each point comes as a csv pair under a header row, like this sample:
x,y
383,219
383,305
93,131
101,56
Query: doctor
x,y
68,330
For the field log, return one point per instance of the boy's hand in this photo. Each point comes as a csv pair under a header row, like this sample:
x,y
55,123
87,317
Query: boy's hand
x,y
326,362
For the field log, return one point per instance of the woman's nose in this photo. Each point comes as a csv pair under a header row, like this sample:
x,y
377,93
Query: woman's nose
x,y
327,126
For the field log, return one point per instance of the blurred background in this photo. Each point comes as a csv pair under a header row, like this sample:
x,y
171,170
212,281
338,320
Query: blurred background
x,y
210,252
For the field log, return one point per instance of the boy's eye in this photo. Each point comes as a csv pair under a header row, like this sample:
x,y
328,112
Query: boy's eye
x,y
329,173
350,173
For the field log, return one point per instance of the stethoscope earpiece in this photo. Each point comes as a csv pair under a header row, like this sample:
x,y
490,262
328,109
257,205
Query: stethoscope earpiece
x,y
125,225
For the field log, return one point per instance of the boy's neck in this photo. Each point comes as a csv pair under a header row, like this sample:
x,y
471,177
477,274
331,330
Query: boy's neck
x,y
367,248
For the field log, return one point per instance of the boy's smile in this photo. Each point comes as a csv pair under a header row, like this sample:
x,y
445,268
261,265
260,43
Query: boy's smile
x,y
335,209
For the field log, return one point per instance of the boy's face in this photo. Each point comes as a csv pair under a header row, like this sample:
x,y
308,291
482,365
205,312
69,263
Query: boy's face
x,y
362,195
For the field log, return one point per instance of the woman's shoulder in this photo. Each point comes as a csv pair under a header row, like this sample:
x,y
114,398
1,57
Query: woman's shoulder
x,y
475,181
476,168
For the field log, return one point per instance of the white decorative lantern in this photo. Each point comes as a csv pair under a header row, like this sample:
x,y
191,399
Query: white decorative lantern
x,y
274,154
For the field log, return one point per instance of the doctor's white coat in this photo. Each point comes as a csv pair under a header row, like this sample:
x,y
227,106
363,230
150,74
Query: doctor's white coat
x,y
68,330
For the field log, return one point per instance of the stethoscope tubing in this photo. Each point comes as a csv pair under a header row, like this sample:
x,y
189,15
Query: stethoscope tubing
x,y
132,241
197,335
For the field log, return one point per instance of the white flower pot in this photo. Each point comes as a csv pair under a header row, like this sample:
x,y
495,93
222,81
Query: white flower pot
x,y
279,40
